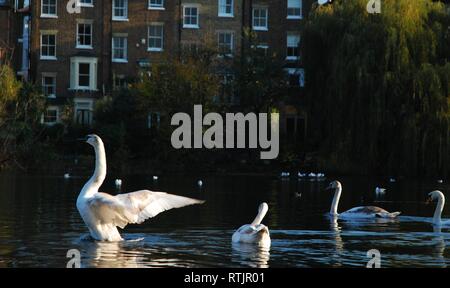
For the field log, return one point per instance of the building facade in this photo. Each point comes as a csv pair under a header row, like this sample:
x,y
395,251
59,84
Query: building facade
x,y
15,35
82,53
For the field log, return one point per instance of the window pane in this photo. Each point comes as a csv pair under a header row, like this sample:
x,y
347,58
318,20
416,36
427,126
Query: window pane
x,y
48,45
260,17
85,34
156,3
156,36
190,16
48,7
83,74
226,7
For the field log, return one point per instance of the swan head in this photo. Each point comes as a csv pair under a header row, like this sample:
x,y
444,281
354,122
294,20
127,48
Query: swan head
x,y
263,208
93,140
434,196
334,185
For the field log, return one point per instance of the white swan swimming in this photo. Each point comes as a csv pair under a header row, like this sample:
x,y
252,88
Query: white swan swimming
x,y
255,232
118,183
356,212
103,213
439,196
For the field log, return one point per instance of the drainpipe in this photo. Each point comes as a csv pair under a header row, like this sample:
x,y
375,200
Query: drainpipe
x,y
180,23
111,74
244,3
9,30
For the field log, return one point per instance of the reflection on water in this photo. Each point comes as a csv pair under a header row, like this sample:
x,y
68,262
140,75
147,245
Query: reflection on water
x,y
111,255
251,255
438,244
336,235
39,224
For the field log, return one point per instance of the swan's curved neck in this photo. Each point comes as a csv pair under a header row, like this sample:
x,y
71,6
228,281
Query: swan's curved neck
x,y
438,211
335,203
91,187
260,216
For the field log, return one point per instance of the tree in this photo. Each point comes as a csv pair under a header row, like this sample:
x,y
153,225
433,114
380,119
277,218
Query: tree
x,y
140,116
176,85
378,86
9,87
21,108
260,78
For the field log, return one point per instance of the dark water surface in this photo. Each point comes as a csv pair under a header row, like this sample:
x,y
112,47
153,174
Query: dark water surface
x,y
39,223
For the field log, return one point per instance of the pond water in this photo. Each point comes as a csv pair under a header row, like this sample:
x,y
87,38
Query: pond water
x,y
39,223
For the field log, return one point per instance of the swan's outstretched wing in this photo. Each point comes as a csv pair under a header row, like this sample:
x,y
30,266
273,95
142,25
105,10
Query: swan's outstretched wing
x,y
147,204
135,207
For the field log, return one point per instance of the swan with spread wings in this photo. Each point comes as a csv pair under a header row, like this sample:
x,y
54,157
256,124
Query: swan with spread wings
x,y
103,213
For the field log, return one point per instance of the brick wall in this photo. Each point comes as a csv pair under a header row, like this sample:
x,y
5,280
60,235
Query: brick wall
x,y
136,30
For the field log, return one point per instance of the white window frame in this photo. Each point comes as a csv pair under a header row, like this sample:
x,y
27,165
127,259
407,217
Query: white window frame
x,y
89,4
230,54
155,49
120,18
191,26
263,47
301,77
125,48
50,108
292,58
155,6
118,77
47,32
85,22
295,17
74,73
223,3
260,28
300,72
49,75
45,15
90,108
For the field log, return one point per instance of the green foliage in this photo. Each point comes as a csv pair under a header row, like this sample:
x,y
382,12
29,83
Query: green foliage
x,y
378,86
21,109
261,81
176,85
9,90
172,86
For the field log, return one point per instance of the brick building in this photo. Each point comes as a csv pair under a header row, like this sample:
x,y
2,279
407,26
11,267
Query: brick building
x,y
6,35
14,35
80,54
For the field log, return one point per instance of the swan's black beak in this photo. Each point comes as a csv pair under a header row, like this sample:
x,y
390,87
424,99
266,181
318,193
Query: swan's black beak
x,y
84,139
329,187
429,200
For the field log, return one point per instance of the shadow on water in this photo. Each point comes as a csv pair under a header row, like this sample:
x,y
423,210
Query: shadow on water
x,y
39,224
